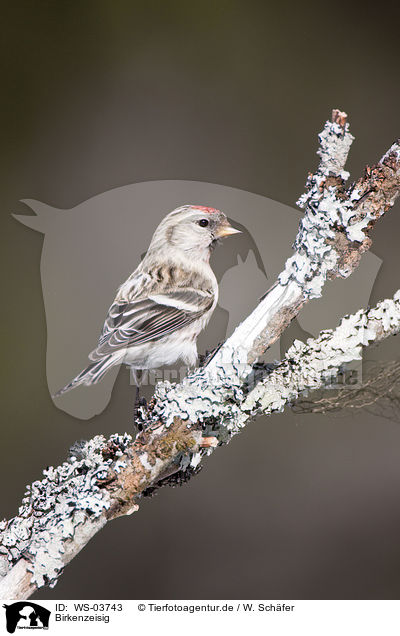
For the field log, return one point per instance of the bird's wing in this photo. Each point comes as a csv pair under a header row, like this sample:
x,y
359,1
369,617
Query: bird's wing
x,y
132,323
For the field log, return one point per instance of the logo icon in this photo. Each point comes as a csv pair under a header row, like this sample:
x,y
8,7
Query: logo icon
x,y
25,615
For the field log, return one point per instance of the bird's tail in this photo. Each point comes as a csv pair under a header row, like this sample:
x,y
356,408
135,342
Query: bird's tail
x,y
92,374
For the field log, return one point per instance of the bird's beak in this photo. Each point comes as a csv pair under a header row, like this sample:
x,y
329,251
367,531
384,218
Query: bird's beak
x,y
226,230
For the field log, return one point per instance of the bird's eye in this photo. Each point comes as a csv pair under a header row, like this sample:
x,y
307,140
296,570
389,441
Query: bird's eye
x,y
203,222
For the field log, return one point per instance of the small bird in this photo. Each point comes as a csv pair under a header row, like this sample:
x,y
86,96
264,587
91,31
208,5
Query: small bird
x,y
161,308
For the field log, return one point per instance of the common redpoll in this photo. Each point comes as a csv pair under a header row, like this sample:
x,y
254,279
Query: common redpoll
x,y
161,308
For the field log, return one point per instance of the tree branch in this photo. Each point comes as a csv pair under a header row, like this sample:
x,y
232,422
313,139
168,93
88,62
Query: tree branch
x,y
105,478
378,393
333,235
312,365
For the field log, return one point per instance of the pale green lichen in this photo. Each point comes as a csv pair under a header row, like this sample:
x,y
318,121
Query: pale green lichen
x,y
54,507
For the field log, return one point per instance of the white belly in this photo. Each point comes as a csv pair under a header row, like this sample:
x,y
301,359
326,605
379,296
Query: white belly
x,y
161,353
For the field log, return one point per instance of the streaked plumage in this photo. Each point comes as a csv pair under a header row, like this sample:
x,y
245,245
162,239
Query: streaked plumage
x,y
161,308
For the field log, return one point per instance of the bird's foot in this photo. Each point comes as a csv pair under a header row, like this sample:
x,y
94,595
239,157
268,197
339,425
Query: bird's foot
x,y
205,358
138,413
260,370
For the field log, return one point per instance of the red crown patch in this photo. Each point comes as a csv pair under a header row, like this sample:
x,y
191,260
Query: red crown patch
x,y
205,209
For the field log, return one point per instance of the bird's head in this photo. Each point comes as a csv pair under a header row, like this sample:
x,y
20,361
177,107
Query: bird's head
x,y
194,229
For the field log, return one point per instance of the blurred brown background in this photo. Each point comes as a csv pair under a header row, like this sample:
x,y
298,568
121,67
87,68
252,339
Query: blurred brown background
x,y
100,94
